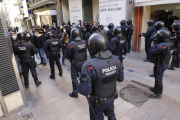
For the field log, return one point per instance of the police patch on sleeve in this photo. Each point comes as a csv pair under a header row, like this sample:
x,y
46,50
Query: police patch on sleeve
x,y
109,74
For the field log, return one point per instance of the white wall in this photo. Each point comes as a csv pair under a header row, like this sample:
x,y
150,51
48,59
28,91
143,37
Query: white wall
x,y
145,18
65,11
95,9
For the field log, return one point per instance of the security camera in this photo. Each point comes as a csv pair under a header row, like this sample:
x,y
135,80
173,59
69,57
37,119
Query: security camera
x,y
21,6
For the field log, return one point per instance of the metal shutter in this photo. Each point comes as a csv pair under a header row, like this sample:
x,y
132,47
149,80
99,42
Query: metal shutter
x,y
8,81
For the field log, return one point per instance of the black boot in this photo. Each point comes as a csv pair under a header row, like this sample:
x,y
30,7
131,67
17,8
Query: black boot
x,y
157,94
75,92
60,73
52,76
26,86
152,89
171,67
40,63
176,66
151,75
37,82
146,60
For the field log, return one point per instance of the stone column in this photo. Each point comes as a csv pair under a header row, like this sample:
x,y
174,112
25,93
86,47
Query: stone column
x,y
59,12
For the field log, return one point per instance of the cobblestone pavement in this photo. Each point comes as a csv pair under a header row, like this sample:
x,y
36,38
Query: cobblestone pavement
x,y
51,101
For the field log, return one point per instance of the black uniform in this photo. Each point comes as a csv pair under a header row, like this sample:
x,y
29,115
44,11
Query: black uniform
x,y
53,47
130,33
98,79
147,36
125,33
76,53
25,52
160,54
175,55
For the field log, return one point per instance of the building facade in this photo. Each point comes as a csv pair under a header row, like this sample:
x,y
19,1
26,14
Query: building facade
x,y
164,10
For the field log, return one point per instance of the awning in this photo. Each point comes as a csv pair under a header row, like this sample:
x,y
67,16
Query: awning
x,y
154,2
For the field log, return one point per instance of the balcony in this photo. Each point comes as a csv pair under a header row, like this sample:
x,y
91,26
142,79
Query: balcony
x,y
33,4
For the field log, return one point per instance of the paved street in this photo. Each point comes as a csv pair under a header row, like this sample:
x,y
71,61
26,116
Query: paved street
x,y
51,101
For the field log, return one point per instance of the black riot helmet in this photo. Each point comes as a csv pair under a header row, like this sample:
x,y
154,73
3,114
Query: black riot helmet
x,y
95,27
111,26
76,34
159,24
98,42
129,22
21,37
123,22
117,30
176,25
150,22
163,35
51,35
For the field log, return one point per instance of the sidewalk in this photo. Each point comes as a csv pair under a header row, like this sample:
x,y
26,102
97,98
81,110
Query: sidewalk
x,y
51,100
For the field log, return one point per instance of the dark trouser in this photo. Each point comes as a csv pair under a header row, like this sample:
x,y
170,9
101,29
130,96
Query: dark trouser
x,y
107,109
147,47
74,71
126,47
64,55
129,43
175,58
26,65
54,57
158,74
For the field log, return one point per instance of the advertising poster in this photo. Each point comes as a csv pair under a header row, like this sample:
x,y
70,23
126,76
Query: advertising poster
x,y
75,10
112,11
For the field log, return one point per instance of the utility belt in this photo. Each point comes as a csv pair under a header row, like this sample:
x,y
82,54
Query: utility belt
x,y
99,101
31,58
55,52
75,62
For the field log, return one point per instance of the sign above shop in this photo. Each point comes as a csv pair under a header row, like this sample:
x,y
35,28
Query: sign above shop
x,y
75,10
112,11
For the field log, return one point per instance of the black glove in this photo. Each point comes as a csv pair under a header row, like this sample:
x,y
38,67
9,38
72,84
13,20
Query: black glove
x,y
139,35
143,34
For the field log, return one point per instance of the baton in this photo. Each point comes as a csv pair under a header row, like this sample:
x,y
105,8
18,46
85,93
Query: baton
x,y
90,105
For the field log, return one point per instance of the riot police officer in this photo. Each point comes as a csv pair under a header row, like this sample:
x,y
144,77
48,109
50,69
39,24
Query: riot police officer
x,y
110,33
98,77
147,36
76,53
117,43
53,46
160,54
158,25
95,29
25,52
176,40
125,33
130,33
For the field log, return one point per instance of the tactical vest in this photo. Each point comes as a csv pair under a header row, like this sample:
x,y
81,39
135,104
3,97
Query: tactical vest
x,y
80,48
54,45
131,27
106,76
124,30
120,44
165,57
24,50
